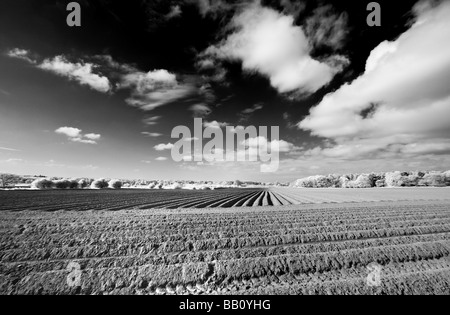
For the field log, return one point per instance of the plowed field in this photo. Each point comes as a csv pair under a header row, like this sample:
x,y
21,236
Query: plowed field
x,y
251,241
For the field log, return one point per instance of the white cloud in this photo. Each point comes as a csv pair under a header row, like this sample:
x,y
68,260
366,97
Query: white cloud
x,y
81,140
212,7
151,134
274,145
175,11
212,70
253,109
281,146
162,147
293,7
109,62
326,27
93,136
206,64
154,88
69,131
148,90
21,54
200,110
75,135
81,72
269,42
159,87
215,124
160,159
151,121
247,113
401,104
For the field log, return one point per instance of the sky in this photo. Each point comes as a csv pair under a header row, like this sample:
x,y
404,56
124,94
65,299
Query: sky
x,y
102,99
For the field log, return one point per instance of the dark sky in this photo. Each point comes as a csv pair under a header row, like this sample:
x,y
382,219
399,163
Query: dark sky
x,y
174,36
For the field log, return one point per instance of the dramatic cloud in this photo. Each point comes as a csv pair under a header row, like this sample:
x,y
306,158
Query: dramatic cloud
x,y
253,109
215,124
21,54
327,28
213,7
274,146
269,42
148,90
175,11
401,104
206,64
108,62
151,134
69,131
151,121
81,72
93,136
75,135
200,110
212,70
81,140
246,113
293,7
155,88
162,147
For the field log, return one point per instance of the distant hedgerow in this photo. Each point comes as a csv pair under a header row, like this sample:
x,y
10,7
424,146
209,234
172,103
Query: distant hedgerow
x,y
115,184
42,183
100,184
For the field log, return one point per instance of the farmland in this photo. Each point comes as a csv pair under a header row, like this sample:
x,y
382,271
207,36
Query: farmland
x,y
234,241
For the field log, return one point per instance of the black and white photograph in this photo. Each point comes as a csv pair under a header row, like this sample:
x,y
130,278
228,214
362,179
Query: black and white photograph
x,y
236,150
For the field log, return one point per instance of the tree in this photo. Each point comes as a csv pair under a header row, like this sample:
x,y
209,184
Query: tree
x,y
83,183
363,181
321,182
2,181
433,180
380,183
62,184
343,182
73,184
447,178
412,180
100,184
304,183
394,179
115,184
176,186
42,183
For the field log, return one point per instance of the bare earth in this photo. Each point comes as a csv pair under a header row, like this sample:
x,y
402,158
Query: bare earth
x,y
248,241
